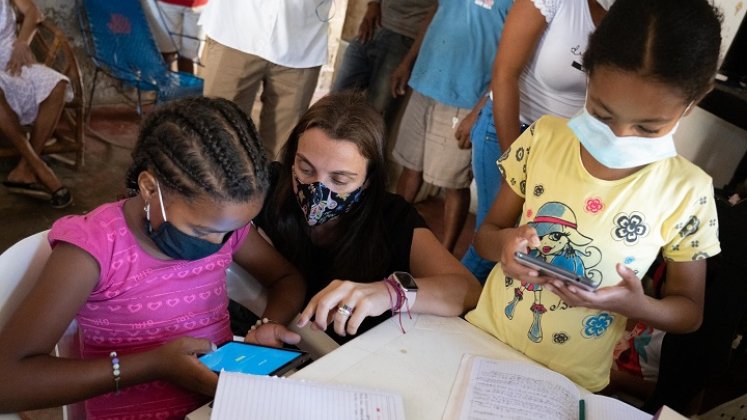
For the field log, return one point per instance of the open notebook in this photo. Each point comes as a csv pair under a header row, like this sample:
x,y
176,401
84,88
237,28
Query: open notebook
x,y
498,389
242,397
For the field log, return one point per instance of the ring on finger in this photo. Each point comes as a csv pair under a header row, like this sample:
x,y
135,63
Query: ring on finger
x,y
345,310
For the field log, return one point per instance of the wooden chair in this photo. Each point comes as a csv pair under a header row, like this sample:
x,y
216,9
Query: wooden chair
x,y
52,48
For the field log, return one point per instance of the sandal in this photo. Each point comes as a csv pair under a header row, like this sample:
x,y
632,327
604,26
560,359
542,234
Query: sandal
x,y
61,198
31,189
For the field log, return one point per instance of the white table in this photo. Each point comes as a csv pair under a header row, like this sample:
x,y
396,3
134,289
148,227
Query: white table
x,y
421,364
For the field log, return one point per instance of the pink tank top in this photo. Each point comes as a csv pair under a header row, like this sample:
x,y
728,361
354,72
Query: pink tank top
x,y
141,302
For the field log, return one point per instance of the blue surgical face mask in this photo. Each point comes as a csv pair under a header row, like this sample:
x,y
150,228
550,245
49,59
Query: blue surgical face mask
x,y
175,243
620,152
320,204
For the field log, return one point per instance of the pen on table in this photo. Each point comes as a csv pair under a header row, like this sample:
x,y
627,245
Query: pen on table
x,y
581,410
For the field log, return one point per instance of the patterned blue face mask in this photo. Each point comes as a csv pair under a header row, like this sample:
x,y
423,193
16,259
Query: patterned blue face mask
x,y
175,243
320,204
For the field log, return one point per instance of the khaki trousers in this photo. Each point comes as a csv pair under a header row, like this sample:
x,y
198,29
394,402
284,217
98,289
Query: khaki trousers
x,y
286,91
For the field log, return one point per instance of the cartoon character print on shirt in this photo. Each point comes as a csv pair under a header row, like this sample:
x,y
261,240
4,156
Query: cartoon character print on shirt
x,y
561,244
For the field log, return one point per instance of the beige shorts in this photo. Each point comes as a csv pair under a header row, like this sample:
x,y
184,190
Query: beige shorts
x,y
426,143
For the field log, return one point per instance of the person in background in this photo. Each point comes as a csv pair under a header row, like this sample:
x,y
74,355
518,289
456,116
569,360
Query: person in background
x,y
588,195
174,25
278,46
536,72
329,214
33,95
386,33
450,76
145,277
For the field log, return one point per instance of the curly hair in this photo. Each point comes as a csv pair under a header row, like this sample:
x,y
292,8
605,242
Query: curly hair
x,y
675,42
202,147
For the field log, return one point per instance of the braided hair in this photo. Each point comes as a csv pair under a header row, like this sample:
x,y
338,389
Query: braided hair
x,y
202,147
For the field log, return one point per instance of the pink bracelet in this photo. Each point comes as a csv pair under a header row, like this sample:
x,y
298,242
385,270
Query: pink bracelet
x,y
396,307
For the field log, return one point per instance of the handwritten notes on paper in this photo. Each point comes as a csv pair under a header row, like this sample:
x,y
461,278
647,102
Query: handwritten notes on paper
x,y
244,397
497,389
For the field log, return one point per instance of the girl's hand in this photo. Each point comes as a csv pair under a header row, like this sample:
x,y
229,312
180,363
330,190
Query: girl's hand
x,y
621,298
176,362
520,239
272,334
19,57
363,299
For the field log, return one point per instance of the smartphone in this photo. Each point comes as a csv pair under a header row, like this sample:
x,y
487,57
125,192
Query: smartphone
x,y
237,356
547,269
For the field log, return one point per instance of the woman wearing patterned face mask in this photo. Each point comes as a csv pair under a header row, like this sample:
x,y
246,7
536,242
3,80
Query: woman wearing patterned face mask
x,y
329,213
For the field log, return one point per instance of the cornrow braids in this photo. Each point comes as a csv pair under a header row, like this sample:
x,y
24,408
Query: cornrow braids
x,y
202,146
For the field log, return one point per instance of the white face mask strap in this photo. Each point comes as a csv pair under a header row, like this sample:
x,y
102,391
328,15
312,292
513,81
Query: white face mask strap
x,y
690,105
160,200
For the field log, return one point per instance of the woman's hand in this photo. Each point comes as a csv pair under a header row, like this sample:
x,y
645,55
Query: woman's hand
x,y
360,299
622,298
272,334
520,239
177,363
19,57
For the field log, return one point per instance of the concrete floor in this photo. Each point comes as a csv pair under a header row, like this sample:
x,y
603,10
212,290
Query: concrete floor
x,y
100,180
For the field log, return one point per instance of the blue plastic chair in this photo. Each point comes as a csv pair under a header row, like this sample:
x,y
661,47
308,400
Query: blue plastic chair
x,y
118,40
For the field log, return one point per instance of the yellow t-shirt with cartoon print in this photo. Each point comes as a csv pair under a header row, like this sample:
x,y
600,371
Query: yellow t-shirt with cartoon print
x,y
588,225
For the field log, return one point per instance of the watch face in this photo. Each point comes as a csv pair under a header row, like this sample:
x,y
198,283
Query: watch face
x,y
406,280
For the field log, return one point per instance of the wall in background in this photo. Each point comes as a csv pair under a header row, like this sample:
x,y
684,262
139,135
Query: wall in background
x,y
712,143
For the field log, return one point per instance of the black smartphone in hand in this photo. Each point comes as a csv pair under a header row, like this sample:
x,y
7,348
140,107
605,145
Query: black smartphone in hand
x,y
549,270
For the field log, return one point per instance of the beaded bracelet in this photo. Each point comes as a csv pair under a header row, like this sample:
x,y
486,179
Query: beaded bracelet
x,y
115,371
261,322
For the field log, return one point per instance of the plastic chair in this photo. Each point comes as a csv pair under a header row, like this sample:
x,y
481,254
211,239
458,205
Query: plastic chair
x,y
118,39
20,266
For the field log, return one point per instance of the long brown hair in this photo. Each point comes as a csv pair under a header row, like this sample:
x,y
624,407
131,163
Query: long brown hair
x,y
360,249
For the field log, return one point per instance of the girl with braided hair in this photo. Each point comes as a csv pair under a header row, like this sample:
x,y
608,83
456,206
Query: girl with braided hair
x,y
145,277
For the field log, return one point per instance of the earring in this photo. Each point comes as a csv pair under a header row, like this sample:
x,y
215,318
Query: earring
x,y
147,211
